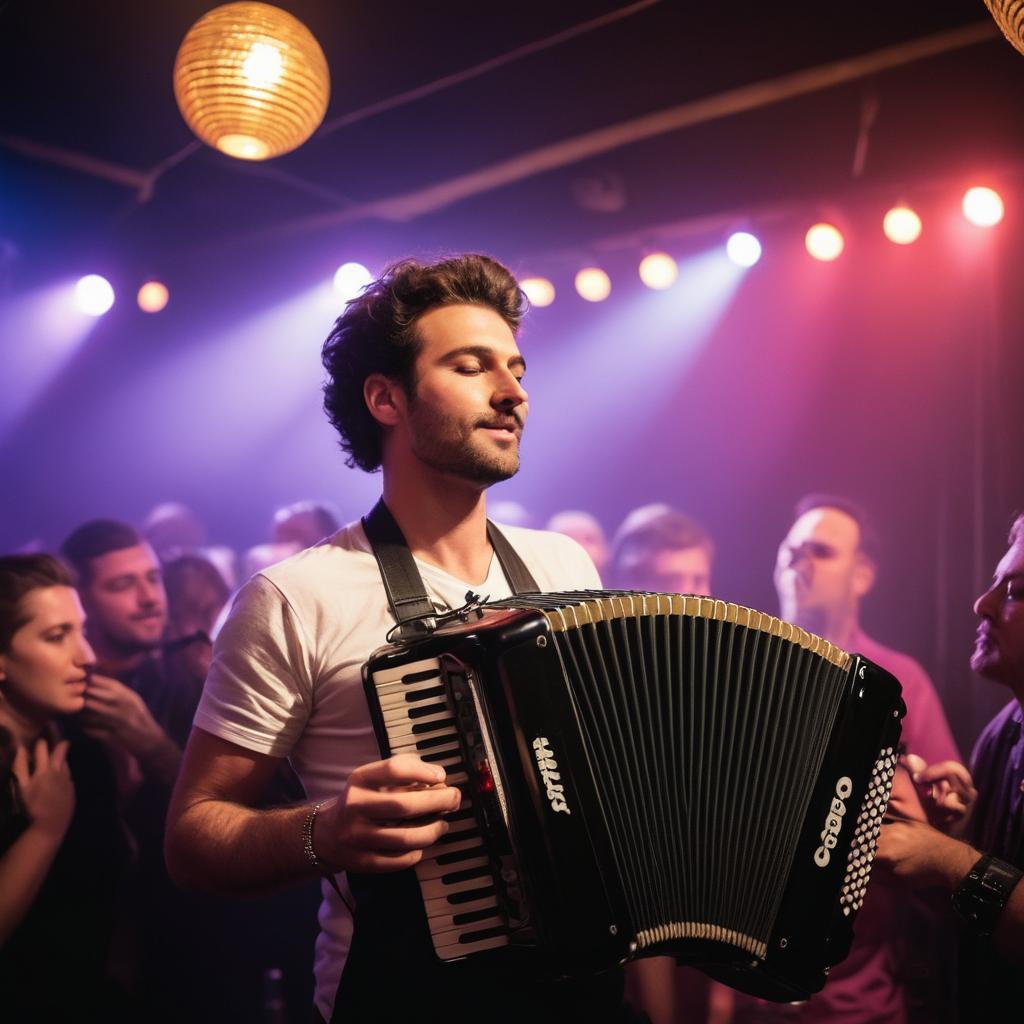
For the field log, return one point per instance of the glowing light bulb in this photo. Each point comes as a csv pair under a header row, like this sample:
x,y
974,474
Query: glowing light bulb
x,y
824,242
152,297
94,295
743,249
659,271
983,207
350,279
902,225
263,67
539,290
593,284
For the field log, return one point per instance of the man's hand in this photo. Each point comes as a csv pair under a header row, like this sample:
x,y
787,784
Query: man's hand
x,y
389,813
114,713
47,791
920,856
946,790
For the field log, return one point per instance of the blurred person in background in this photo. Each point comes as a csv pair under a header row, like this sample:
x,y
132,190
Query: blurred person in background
x,y
304,523
659,548
511,513
172,528
196,596
587,532
899,966
63,850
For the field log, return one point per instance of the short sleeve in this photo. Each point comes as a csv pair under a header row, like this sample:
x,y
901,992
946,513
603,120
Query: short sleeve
x,y
925,729
258,692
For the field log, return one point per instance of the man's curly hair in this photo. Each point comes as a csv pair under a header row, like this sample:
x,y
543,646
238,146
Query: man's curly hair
x,y
377,334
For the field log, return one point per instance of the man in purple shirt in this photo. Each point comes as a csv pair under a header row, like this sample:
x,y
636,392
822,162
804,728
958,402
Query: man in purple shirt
x,y
826,566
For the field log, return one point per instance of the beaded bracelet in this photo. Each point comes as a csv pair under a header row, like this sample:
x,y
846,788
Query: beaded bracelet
x,y
307,837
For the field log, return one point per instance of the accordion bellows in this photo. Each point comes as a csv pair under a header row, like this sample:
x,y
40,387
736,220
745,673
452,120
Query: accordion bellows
x,y
646,774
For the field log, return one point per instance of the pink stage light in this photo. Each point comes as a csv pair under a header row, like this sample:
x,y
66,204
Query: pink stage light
x,y
983,207
902,225
825,242
153,297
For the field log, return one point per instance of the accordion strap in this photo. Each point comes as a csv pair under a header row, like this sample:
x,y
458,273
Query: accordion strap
x,y
403,584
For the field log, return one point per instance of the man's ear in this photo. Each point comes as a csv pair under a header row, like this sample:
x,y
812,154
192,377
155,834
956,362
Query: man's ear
x,y
3,671
385,398
863,575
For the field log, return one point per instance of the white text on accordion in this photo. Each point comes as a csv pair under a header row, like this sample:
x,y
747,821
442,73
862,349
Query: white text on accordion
x,y
549,775
833,823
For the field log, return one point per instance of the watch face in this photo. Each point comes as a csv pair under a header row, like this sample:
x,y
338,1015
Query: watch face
x,y
983,893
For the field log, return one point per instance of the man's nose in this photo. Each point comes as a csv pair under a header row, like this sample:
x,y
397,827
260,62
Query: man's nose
x,y
987,605
510,392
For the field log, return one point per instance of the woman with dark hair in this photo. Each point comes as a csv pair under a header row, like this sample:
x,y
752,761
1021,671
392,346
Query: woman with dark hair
x,y
62,850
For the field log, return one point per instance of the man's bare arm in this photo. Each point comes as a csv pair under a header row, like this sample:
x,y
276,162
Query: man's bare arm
x,y
920,855
217,841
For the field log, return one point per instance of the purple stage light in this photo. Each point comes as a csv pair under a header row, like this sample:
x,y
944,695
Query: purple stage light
x,y
94,295
350,279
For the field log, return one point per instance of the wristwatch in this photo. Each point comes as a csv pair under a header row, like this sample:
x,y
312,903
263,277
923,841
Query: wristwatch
x,y
981,896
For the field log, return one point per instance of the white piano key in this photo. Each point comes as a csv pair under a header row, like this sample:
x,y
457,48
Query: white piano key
x,y
457,950
452,935
440,907
389,675
434,887
427,870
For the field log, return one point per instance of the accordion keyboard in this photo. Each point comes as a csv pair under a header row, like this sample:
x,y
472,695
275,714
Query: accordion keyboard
x,y
456,875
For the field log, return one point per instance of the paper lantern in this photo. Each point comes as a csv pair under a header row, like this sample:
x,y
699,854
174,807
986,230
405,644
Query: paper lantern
x,y
1009,15
251,81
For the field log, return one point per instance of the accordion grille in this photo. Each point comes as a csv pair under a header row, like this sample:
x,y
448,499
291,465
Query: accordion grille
x,y
865,834
705,725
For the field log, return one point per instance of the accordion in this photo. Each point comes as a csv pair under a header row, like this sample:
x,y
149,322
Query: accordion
x,y
645,774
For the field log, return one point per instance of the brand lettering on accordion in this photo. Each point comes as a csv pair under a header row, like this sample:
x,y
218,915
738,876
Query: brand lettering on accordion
x,y
833,823
549,775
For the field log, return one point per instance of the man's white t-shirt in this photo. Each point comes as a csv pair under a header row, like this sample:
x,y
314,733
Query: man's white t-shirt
x,y
286,678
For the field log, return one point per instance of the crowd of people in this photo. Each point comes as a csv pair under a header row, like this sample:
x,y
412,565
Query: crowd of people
x,y
127,641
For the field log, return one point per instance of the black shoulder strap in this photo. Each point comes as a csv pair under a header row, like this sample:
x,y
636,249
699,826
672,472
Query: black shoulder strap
x,y
403,584
402,581
520,579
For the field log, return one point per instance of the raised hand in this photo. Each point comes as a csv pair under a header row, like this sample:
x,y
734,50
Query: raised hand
x,y
47,791
946,790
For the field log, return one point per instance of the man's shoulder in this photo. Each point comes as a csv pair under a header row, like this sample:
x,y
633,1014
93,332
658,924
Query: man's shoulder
x,y
900,664
557,561
343,559
1005,725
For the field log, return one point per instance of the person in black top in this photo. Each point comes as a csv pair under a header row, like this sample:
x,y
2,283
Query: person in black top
x,y
63,851
983,869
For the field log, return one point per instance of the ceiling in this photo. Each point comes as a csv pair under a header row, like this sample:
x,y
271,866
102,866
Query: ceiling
x,y
93,82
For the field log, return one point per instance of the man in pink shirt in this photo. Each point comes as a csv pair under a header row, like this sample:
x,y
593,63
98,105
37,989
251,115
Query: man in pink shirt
x,y
826,566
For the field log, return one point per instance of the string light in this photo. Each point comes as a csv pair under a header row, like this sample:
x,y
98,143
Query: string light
x,y
539,290
593,284
824,242
658,271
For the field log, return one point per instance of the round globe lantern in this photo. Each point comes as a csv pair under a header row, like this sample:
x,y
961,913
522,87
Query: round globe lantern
x,y
251,81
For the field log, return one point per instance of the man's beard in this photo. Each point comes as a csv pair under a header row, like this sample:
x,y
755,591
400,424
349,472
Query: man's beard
x,y
452,447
